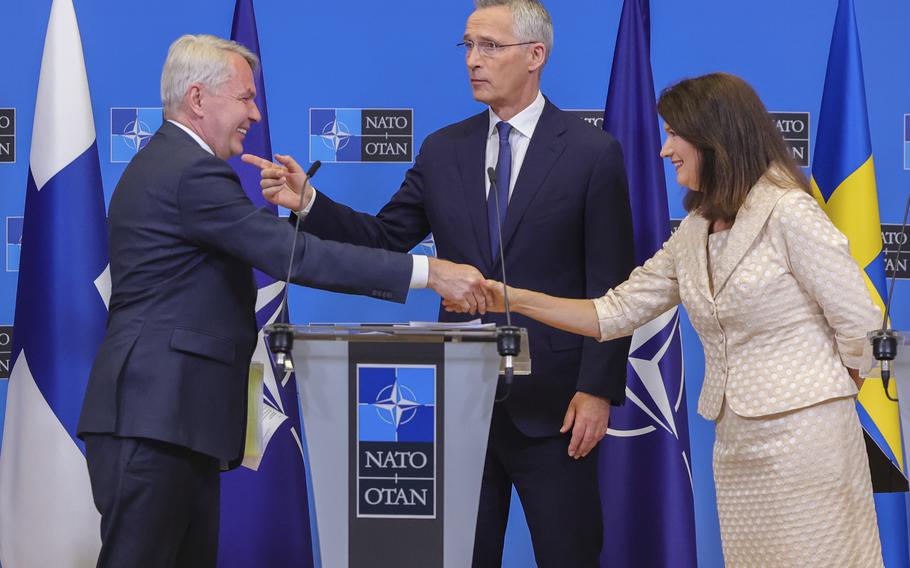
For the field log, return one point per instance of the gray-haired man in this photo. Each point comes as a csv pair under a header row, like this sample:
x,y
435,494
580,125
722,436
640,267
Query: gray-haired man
x,y
165,407
566,230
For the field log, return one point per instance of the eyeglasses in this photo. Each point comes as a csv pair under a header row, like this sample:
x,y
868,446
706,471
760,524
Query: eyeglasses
x,y
488,48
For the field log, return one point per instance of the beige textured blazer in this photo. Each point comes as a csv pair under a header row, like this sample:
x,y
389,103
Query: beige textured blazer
x,y
788,312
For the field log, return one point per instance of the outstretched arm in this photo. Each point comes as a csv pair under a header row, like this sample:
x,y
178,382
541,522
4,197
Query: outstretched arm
x,y
576,316
651,290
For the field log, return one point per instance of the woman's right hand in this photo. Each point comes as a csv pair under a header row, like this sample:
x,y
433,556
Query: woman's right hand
x,y
569,314
493,291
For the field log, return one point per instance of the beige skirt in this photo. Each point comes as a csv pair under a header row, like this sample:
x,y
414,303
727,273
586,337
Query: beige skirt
x,y
793,489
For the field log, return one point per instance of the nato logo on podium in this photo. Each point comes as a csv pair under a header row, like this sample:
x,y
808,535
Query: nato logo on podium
x,y
396,441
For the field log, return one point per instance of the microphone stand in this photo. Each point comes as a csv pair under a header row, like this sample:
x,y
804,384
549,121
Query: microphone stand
x,y
884,340
508,337
281,339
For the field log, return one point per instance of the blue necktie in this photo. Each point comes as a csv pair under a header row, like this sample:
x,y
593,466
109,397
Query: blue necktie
x,y
503,175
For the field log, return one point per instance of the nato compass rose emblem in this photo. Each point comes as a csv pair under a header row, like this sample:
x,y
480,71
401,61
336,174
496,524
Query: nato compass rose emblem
x,y
136,134
656,386
396,404
396,441
131,129
336,135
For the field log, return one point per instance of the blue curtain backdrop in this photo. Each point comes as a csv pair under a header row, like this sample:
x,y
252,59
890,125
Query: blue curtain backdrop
x,y
364,54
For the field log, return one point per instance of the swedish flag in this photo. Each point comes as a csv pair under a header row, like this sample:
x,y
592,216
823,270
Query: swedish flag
x,y
843,181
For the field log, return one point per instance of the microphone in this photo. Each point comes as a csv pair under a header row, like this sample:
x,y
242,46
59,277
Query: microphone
x,y
281,339
508,337
314,167
884,340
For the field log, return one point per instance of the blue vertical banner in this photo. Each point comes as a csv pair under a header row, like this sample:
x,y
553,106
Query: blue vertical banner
x,y
645,467
264,514
843,182
47,516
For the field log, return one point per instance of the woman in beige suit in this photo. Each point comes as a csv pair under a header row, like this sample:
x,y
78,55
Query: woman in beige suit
x,y
782,312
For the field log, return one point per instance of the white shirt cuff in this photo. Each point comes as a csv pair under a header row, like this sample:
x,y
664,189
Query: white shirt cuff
x,y
421,271
306,208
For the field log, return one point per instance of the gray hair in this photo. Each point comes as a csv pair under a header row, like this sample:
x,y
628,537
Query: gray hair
x,y
201,59
530,20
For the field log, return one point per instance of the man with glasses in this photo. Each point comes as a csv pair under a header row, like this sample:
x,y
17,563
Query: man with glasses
x,y
566,229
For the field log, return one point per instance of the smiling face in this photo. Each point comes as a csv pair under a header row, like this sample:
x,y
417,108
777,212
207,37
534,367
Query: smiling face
x,y
685,157
228,110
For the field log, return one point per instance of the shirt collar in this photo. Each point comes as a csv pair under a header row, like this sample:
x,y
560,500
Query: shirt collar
x,y
193,135
524,122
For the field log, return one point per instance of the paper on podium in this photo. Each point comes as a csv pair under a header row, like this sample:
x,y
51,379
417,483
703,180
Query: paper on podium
x,y
252,449
473,324
263,417
262,420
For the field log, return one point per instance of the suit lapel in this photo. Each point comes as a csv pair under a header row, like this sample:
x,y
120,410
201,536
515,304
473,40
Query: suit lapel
x,y
471,155
545,148
750,220
697,228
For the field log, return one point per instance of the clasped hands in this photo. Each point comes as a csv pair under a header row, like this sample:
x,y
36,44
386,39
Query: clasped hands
x,y
461,286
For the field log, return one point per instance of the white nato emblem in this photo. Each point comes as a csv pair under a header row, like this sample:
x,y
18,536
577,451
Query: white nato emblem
x,y
136,132
653,380
336,135
655,384
396,404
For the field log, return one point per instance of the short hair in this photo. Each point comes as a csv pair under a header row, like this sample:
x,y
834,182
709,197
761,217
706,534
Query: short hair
x,y
201,59
530,20
723,117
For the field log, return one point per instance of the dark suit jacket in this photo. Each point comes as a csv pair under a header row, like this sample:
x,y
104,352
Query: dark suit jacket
x,y
173,365
568,232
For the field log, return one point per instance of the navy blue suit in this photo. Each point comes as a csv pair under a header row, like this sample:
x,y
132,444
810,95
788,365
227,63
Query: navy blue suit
x,y
567,232
173,366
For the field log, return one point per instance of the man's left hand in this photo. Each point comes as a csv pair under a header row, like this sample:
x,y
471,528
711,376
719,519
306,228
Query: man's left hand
x,y
588,417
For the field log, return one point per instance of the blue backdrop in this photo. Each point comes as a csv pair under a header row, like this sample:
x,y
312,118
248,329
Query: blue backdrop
x,y
366,54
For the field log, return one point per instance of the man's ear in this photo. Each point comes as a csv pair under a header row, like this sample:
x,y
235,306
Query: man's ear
x,y
194,96
538,57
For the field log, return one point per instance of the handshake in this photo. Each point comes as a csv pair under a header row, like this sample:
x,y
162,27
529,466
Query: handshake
x,y
464,289
461,286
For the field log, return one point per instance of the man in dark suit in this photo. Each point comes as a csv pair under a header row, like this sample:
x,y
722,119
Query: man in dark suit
x,y
566,228
165,405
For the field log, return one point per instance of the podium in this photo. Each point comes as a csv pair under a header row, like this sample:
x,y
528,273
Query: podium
x,y
396,421
900,373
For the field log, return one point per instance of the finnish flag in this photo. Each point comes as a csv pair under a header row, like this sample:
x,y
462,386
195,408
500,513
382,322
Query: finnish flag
x,y
47,516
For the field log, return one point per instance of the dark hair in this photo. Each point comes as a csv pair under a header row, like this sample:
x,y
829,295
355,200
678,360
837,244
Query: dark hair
x,y
722,116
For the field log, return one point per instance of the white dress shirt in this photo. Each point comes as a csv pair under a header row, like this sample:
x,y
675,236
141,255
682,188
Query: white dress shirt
x,y
193,135
420,268
523,125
